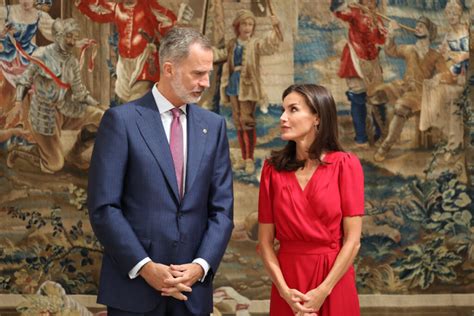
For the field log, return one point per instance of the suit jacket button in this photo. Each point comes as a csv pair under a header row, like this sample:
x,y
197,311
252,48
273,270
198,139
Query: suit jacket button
x,y
175,244
333,245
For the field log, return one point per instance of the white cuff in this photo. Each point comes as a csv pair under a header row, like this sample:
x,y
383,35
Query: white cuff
x,y
205,266
134,272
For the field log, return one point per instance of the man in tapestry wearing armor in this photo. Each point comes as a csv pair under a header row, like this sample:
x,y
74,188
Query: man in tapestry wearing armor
x,y
59,101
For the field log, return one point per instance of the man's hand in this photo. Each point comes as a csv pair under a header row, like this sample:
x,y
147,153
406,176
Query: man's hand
x,y
158,276
155,274
277,27
393,26
186,274
185,14
275,21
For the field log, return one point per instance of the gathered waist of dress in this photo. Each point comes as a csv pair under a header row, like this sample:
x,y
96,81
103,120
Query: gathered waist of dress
x,y
308,247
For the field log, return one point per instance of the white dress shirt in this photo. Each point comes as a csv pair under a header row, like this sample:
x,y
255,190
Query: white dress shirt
x,y
165,107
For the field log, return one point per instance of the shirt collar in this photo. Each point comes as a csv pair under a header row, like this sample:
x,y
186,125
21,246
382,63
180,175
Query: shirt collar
x,y
162,103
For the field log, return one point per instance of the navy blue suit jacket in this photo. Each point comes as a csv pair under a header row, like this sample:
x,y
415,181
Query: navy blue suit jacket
x,y
134,206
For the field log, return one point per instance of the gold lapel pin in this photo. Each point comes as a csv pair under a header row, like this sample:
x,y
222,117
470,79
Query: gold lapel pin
x,y
204,130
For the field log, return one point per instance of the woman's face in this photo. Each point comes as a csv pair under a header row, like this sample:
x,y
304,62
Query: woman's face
x,y
27,4
297,122
246,27
453,15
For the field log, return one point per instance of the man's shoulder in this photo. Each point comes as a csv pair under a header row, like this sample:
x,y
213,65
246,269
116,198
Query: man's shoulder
x,y
204,113
140,105
125,111
43,51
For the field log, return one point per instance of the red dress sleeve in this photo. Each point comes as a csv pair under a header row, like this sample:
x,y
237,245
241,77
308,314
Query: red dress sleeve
x,y
351,186
265,206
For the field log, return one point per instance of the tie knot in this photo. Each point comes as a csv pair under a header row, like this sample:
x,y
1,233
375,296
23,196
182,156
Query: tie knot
x,y
176,112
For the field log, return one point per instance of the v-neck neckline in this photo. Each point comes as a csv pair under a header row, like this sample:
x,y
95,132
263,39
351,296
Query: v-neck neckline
x,y
303,190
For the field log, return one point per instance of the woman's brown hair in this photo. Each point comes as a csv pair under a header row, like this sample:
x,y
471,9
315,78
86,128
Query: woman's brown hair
x,y
321,102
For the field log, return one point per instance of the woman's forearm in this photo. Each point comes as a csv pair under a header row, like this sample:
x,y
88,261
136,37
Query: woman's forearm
x,y
272,266
343,261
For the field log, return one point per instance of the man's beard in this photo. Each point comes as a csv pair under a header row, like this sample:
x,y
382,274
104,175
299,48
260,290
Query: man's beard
x,y
181,91
421,36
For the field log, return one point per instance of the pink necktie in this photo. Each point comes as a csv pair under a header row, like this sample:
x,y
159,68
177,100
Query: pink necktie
x,y
176,145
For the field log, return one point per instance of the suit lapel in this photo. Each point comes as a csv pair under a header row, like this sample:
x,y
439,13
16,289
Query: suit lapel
x,y
197,137
152,131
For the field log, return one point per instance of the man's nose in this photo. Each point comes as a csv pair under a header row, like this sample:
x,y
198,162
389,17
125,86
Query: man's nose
x,y
205,81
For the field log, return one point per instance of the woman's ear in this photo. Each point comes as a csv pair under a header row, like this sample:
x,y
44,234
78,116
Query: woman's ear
x,y
316,121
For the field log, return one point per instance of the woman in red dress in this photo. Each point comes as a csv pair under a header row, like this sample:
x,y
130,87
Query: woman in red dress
x,y
311,200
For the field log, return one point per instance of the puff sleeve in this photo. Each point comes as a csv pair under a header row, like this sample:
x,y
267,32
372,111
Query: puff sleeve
x,y
351,186
265,198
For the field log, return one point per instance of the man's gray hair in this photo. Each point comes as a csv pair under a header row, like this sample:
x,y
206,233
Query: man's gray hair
x,y
174,46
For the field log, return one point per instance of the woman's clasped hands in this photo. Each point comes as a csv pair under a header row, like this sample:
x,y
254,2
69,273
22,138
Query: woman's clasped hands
x,y
305,304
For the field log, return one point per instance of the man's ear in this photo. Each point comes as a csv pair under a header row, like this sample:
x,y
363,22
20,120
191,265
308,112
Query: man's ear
x,y
167,69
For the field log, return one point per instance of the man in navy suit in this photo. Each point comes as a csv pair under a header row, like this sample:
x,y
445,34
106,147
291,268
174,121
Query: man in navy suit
x,y
160,190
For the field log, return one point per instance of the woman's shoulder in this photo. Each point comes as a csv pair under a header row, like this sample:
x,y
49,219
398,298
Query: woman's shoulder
x,y
341,157
268,166
461,33
269,169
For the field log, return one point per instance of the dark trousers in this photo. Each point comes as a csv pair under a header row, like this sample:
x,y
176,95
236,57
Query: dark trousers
x,y
168,307
359,117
